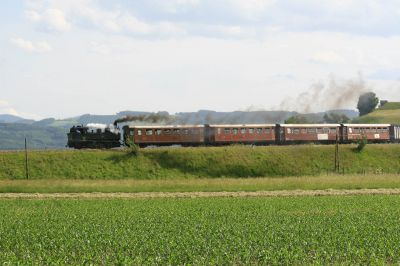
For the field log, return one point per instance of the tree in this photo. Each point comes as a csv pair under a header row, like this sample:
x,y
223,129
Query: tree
x,y
297,119
367,102
335,118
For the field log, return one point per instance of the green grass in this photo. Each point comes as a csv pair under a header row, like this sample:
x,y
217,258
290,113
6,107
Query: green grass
x,y
237,161
206,184
390,106
203,162
218,231
389,113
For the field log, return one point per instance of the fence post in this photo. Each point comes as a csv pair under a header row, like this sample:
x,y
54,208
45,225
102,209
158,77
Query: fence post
x,y
26,161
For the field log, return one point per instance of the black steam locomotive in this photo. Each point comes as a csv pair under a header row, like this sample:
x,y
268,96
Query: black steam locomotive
x,y
81,137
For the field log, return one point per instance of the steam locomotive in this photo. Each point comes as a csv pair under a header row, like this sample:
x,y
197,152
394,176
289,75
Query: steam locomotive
x,y
214,135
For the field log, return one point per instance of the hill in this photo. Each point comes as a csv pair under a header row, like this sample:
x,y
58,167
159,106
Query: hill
x,y
203,162
389,113
12,136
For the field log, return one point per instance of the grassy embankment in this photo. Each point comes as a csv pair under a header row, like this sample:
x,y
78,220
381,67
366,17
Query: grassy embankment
x,y
389,113
235,168
359,230
203,162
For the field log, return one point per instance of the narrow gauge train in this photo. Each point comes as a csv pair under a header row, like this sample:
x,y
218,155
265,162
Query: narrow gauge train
x,y
259,134
214,135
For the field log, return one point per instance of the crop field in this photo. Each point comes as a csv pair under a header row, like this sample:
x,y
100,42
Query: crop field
x,y
216,231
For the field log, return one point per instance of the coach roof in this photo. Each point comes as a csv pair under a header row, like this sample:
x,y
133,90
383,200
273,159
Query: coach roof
x,y
168,126
310,125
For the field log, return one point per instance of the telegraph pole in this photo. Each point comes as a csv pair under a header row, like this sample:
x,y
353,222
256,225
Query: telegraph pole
x,y
26,161
337,160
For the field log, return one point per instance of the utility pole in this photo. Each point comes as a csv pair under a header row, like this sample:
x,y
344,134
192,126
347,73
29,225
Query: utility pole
x,y
26,161
337,160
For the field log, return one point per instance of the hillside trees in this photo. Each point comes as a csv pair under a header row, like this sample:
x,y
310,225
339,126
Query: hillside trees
x,y
367,102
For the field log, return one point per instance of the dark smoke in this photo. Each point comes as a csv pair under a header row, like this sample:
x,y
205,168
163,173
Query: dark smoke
x,y
321,97
160,117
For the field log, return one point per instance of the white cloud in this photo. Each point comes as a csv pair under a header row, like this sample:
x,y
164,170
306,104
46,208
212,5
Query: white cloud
x,y
3,103
6,108
39,47
89,14
56,20
329,57
33,15
50,18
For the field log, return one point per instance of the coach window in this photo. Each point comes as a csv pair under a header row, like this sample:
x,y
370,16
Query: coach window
x,y
332,130
218,131
158,131
235,131
227,131
311,130
176,132
149,132
296,131
167,131
326,130
384,130
350,130
139,132
185,131
319,130
303,131
267,130
251,130
133,132
356,130
242,131
259,130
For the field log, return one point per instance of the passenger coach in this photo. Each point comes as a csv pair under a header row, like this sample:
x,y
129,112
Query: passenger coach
x,y
247,134
185,135
372,132
297,133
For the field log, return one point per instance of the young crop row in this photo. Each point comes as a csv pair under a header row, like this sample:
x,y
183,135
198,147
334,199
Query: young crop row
x,y
326,230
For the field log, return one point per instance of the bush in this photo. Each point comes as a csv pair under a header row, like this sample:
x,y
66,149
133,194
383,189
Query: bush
x,y
362,143
132,148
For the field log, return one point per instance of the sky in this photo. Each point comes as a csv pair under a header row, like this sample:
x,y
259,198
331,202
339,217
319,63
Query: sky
x,y
63,58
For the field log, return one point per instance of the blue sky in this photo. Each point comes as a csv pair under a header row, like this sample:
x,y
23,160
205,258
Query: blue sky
x,y
65,58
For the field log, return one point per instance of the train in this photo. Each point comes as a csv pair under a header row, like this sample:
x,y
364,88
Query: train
x,y
226,134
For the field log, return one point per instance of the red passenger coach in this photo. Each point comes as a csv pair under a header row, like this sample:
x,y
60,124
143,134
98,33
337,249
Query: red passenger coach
x,y
295,133
247,134
372,132
166,135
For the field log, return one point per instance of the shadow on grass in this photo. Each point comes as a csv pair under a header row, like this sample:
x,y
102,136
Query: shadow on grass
x,y
121,157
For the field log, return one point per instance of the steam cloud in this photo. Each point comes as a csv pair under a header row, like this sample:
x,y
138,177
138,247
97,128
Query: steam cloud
x,y
320,97
97,125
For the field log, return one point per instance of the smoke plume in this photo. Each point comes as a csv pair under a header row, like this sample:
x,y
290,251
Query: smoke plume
x,y
160,117
336,94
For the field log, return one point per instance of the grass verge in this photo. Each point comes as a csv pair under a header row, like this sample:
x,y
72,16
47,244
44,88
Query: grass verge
x,y
206,184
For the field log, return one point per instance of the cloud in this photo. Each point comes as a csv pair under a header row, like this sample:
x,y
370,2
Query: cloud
x,y
52,19
91,15
6,108
37,47
3,103
329,57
